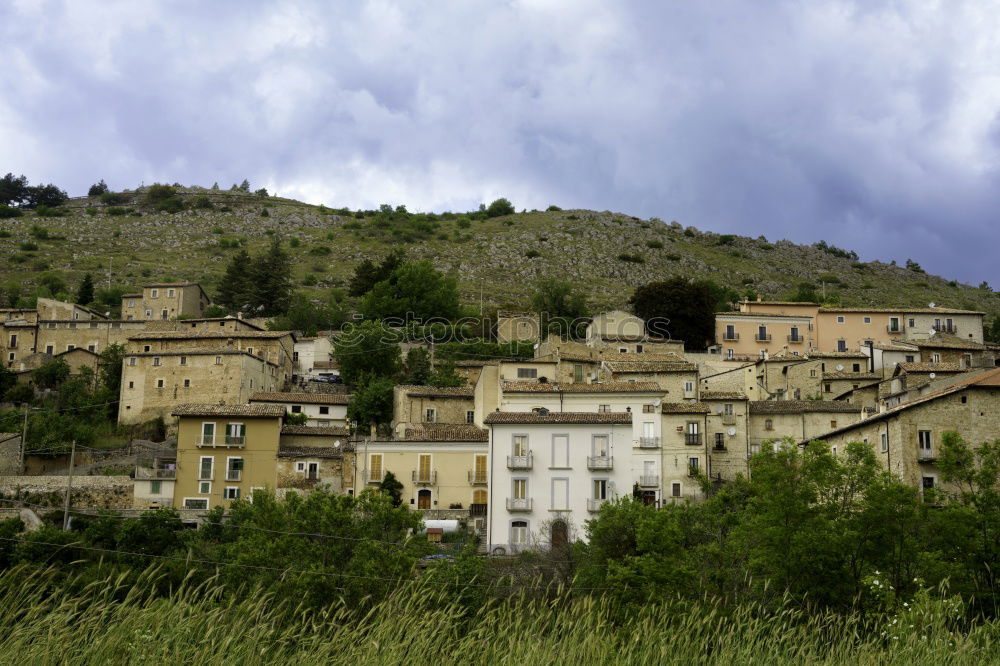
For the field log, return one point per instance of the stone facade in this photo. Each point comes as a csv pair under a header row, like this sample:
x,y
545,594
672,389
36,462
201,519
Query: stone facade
x,y
89,492
165,301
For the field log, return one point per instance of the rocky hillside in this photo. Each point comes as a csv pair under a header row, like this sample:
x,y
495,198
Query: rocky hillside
x,y
498,258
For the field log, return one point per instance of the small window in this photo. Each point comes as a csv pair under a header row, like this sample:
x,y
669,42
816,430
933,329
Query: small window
x,y
689,387
833,424
187,383
430,415
840,319
927,482
49,349
184,360
231,493
324,409
577,373
935,358
827,388
675,490
250,350
92,348
155,487
70,347
868,320
638,349
194,503
159,383
649,409
170,293
156,293
856,367
884,438
149,314
909,358
218,360
527,373
841,345
470,416
604,409
131,385
768,424
156,361
145,348
812,373
623,350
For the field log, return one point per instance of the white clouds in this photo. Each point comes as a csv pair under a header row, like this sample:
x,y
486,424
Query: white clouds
x,y
844,120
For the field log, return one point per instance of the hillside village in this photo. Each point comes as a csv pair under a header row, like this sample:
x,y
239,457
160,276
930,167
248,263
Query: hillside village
x,y
518,450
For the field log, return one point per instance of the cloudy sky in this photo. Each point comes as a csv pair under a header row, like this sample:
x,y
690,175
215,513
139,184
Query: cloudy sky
x,y
870,124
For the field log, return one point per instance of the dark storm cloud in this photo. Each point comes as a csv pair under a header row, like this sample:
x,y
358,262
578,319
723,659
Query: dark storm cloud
x,y
872,125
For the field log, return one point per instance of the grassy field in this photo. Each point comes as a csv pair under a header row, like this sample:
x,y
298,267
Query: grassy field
x,y
108,622
497,260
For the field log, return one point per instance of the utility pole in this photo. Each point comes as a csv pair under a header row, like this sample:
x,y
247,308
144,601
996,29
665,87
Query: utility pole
x,y
24,439
69,486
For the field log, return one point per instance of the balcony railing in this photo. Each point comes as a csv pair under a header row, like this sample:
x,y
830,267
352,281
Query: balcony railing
x,y
762,338
926,456
895,329
692,438
518,504
426,477
155,473
728,419
649,442
600,462
595,504
945,328
477,477
235,440
234,474
730,337
796,339
649,481
520,462
206,476
477,510
228,440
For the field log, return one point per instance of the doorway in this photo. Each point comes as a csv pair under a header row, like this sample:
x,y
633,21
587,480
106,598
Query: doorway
x,y
424,499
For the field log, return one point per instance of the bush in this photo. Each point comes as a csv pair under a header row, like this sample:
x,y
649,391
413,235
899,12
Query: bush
x,y
293,241
500,207
725,239
171,205
464,223
203,203
654,245
115,198
320,250
39,233
46,211
631,258
158,192
7,212
116,210
553,209
90,210
97,189
532,254
27,246
4,233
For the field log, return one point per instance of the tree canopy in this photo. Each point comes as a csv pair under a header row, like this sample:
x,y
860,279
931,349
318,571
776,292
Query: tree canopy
x,y
414,290
679,309
369,349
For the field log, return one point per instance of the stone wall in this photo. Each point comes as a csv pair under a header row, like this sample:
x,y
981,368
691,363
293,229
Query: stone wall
x,y
97,492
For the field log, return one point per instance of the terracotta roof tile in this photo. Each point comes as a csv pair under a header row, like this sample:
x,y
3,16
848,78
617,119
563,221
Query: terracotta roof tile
x,y
722,395
946,341
650,366
286,451
445,432
303,398
801,406
929,367
185,335
852,375
685,408
436,391
528,418
603,387
315,431
270,411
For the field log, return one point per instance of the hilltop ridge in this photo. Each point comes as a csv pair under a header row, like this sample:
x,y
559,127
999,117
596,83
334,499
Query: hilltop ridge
x,y
496,259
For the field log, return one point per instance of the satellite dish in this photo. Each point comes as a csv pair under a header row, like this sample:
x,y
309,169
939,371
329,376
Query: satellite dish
x,y
932,375
612,485
656,403
731,431
931,304
336,444
840,367
931,332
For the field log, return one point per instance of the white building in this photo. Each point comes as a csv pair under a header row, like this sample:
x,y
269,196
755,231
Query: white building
x,y
321,409
558,452
312,356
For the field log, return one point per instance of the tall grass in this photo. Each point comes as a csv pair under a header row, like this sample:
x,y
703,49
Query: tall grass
x,y
107,621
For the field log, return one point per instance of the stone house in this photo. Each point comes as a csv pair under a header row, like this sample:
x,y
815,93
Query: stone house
x,y
166,300
321,409
313,457
517,327
414,405
800,420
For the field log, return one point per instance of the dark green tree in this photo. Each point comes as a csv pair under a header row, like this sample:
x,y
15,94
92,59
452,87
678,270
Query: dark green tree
x,y
445,376
562,310
45,195
310,316
236,289
368,273
418,366
109,368
245,185
679,309
391,486
50,374
500,207
371,402
271,285
368,349
415,290
13,190
97,189
85,292
7,381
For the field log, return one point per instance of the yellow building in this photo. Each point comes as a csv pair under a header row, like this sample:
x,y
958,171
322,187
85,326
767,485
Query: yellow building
x,y
225,452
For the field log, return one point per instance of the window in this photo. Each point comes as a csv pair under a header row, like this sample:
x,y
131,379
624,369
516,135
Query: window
x,y
604,409
935,358
519,488
727,409
149,314
470,416
730,354
231,493
840,319
218,360
156,293
207,433
430,415
250,350
578,373
827,387
13,341
195,503
205,487
927,482
187,383
519,445
92,348
730,332
909,358
600,488
600,446
375,465
560,451
833,424
296,409
155,487
762,333
675,489
693,464
527,373
812,373
519,533
794,334
156,361
856,367
324,410
884,438
131,385
912,323
131,302
841,345
184,360
170,293
206,467
689,387
159,383
720,440
70,347
236,433
649,409
50,349
623,350
924,441
638,349
234,469
560,494
145,348
868,320
768,424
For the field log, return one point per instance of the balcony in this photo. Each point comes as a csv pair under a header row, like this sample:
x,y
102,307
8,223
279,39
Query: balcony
x,y
649,481
155,473
896,330
228,440
518,504
796,339
649,442
728,419
374,476
926,456
762,338
730,337
595,505
600,462
424,477
234,475
945,328
477,510
235,440
520,462
692,438
477,477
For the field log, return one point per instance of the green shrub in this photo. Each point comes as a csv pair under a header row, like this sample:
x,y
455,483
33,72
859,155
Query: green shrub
x,y
654,245
4,233
115,198
48,211
158,193
203,203
39,233
27,246
320,250
7,212
218,230
170,205
572,217
91,211
293,241
672,256
265,213
500,207
18,258
309,280
115,211
225,209
532,254
725,239
631,258
553,209
464,223
353,225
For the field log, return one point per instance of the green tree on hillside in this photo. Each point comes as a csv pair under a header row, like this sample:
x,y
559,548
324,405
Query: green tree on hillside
x,y
415,290
368,349
50,374
85,292
367,274
13,189
391,486
500,207
235,289
371,402
97,189
418,366
560,307
272,280
678,308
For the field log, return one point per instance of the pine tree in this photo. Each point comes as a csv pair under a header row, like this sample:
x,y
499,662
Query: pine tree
x,y
235,289
85,294
272,280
